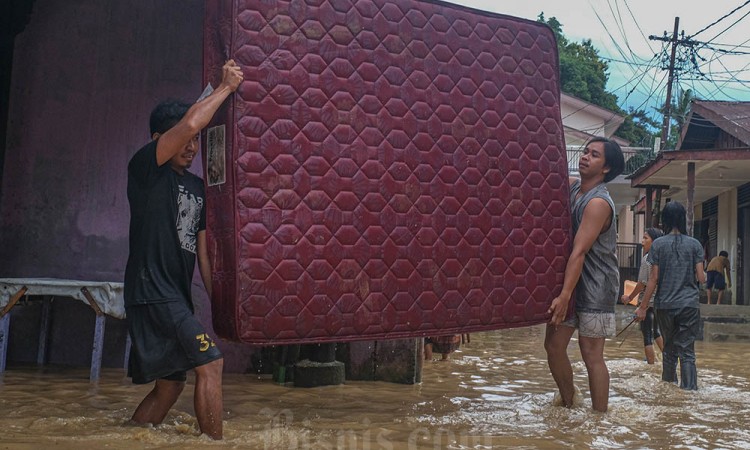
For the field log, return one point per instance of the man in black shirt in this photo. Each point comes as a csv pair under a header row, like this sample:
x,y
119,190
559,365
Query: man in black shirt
x,y
167,231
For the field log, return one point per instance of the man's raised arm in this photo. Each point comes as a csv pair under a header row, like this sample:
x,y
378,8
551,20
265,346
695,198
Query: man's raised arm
x,y
198,116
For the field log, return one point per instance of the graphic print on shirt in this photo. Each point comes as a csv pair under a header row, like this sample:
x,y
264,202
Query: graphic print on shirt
x,y
188,215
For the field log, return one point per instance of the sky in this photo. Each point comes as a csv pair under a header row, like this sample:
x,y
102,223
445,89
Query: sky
x,y
619,29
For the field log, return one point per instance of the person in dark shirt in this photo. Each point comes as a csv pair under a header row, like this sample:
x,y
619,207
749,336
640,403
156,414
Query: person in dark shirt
x,y
677,268
167,233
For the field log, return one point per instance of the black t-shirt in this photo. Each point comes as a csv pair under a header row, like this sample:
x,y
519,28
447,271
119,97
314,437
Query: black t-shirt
x,y
166,213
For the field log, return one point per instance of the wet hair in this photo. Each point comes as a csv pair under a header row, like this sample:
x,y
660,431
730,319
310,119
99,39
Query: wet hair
x,y
673,216
613,157
166,115
654,233
724,254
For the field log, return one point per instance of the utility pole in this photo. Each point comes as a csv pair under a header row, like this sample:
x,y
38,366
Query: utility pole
x,y
670,79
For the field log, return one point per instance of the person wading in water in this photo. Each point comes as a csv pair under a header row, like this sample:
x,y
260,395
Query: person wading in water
x,y
593,272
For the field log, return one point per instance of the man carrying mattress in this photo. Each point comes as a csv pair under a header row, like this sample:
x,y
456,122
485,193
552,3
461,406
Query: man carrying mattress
x,y
167,231
592,271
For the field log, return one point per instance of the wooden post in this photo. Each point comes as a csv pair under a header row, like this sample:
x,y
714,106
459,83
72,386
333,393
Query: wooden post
x,y
656,220
690,197
670,81
13,300
649,207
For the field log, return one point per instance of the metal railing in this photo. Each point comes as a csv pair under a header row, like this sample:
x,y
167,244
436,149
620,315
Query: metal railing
x,y
635,157
629,259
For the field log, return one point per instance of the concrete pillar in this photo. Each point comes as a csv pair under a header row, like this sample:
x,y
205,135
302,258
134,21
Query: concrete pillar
x,y
394,361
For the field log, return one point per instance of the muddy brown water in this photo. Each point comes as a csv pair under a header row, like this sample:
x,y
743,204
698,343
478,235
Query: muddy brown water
x,y
495,392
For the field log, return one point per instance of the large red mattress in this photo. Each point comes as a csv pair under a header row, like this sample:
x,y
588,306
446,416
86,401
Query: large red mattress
x,y
393,169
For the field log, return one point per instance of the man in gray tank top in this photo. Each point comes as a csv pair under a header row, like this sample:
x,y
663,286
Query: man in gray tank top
x,y
592,271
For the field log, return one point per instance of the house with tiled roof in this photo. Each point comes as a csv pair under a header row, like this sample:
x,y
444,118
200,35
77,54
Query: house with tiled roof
x,y
709,172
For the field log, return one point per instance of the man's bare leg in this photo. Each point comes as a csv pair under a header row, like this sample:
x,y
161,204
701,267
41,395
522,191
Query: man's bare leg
x,y
155,406
428,352
592,351
208,398
718,299
556,341
660,343
708,296
650,355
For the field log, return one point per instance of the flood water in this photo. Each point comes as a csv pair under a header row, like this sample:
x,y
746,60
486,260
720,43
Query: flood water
x,y
495,392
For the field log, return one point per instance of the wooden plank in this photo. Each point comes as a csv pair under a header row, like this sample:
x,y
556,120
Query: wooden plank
x,y
13,300
91,301
735,154
641,179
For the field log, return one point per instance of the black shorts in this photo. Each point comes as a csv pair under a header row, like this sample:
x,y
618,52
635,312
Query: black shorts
x,y
167,341
716,280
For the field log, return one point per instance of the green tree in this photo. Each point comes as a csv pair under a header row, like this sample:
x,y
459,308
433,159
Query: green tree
x,y
638,128
584,74
678,115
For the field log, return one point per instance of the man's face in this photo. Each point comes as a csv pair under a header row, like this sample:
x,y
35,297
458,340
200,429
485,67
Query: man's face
x,y
184,158
592,162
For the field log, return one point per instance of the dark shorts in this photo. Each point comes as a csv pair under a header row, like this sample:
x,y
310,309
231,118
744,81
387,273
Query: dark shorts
x,y
715,279
167,341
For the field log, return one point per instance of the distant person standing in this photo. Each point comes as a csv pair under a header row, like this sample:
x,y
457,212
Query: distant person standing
x,y
677,266
445,345
715,275
593,272
649,327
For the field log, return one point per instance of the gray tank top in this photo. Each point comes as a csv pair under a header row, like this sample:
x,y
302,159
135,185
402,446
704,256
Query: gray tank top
x,y
598,286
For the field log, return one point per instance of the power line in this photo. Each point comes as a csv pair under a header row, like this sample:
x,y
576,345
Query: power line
x,y
730,26
637,24
720,19
630,63
732,45
717,56
620,25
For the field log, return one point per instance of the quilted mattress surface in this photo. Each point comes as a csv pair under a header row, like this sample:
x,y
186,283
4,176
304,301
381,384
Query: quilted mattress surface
x,y
387,169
